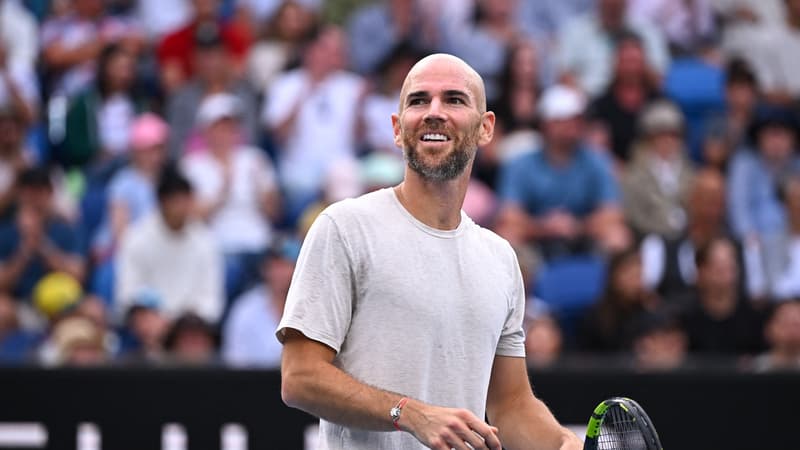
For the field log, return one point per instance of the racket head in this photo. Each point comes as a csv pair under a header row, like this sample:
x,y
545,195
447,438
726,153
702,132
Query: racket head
x,y
620,423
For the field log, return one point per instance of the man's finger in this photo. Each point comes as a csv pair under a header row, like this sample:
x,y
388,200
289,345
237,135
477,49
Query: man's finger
x,y
488,433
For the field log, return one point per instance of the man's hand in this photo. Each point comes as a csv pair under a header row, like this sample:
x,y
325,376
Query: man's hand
x,y
448,428
572,442
561,224
31,227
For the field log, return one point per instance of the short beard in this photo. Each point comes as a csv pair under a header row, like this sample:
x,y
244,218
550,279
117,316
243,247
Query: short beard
x,y
453,165
450,168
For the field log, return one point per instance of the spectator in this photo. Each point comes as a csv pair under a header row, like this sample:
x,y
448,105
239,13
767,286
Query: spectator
x,y
248,337
382,102
770,56
131,192
573,201
757,216
99,118
35,240
214,74
631,89
743,23
173,254
177,57
608,326
342,181
546,19
485,43
191,340
77,330
14,154
659,342
312,113
76,341
685,25
162,17
520,88
726,133
72,43
721,322
669,264
146,327
656,183
19,87
279,47
782,334
788,279
375,30
544,340
237,191
586,47
17,344
19,37
261,11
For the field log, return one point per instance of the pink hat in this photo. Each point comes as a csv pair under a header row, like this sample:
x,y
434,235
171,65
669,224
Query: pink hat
x,y
147,131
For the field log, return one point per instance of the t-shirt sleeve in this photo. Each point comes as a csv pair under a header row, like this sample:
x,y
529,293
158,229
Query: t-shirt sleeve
x,y
320,299
512,339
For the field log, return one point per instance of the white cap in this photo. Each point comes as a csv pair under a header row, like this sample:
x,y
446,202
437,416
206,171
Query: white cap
x,y
661,116
216,107
561,102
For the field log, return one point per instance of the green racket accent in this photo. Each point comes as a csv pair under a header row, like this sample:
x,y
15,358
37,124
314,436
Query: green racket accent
x,y
597,420
619,423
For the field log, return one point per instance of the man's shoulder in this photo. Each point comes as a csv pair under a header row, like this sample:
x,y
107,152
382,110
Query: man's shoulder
x,y
524,160
366,205
493,242
592,159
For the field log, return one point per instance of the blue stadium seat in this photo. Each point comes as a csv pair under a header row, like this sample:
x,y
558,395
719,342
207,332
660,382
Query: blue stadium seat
x,y
569,285
698,88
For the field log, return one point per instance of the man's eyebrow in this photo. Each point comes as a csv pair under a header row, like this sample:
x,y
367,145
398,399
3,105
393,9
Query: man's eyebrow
x,y
457,93
417,94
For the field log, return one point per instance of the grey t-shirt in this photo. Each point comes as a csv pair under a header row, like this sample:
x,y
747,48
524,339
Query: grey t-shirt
x,y
408,308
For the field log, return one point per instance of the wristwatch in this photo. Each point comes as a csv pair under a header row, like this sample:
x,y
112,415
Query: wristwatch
x,y
394,413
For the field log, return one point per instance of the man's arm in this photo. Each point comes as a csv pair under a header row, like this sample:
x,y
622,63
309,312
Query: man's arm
x,y
524,422
312,383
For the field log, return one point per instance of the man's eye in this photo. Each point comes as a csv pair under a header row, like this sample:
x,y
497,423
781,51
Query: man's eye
x,y
416,101
457,100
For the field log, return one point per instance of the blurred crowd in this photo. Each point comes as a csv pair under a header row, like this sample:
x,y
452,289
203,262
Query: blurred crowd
x,y
161,161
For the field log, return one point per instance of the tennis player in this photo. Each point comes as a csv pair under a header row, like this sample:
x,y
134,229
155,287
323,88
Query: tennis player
x,y
403,323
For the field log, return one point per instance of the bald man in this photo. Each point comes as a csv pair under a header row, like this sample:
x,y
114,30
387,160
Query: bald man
x,y
403,323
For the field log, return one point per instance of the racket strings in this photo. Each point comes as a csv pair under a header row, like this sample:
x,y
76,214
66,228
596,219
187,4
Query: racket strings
x,y
620,431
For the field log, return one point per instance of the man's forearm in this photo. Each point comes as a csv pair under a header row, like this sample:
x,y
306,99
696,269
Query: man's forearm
x,y
529,424
331,394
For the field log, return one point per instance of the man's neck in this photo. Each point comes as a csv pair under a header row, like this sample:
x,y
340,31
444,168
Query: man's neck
x,y
434,203
559,155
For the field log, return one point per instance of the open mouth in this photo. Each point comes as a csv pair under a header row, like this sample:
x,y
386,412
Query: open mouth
x,y
434,137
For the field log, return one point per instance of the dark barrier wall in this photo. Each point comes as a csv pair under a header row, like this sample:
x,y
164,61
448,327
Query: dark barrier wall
x,y
696,410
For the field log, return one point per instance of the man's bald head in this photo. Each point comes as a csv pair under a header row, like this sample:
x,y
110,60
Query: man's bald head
x,y
451,65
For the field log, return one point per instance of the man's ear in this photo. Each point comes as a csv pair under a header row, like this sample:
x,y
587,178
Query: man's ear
x,y
398,141
487,128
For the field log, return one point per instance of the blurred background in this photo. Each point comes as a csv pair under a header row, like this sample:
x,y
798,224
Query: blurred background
x,y
161,161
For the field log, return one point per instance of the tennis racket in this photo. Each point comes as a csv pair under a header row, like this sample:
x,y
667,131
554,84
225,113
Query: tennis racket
x,y
620,423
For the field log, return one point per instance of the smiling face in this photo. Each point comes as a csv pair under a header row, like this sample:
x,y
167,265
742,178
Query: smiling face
x,y
442,117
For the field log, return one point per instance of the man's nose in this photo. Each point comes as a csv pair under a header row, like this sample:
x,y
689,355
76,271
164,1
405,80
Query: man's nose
x,y
434,110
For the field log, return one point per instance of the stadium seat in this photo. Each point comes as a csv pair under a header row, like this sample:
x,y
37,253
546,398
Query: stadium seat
x,y
569,285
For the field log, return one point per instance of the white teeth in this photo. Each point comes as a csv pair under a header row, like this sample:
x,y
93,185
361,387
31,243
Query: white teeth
x,y
434,137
